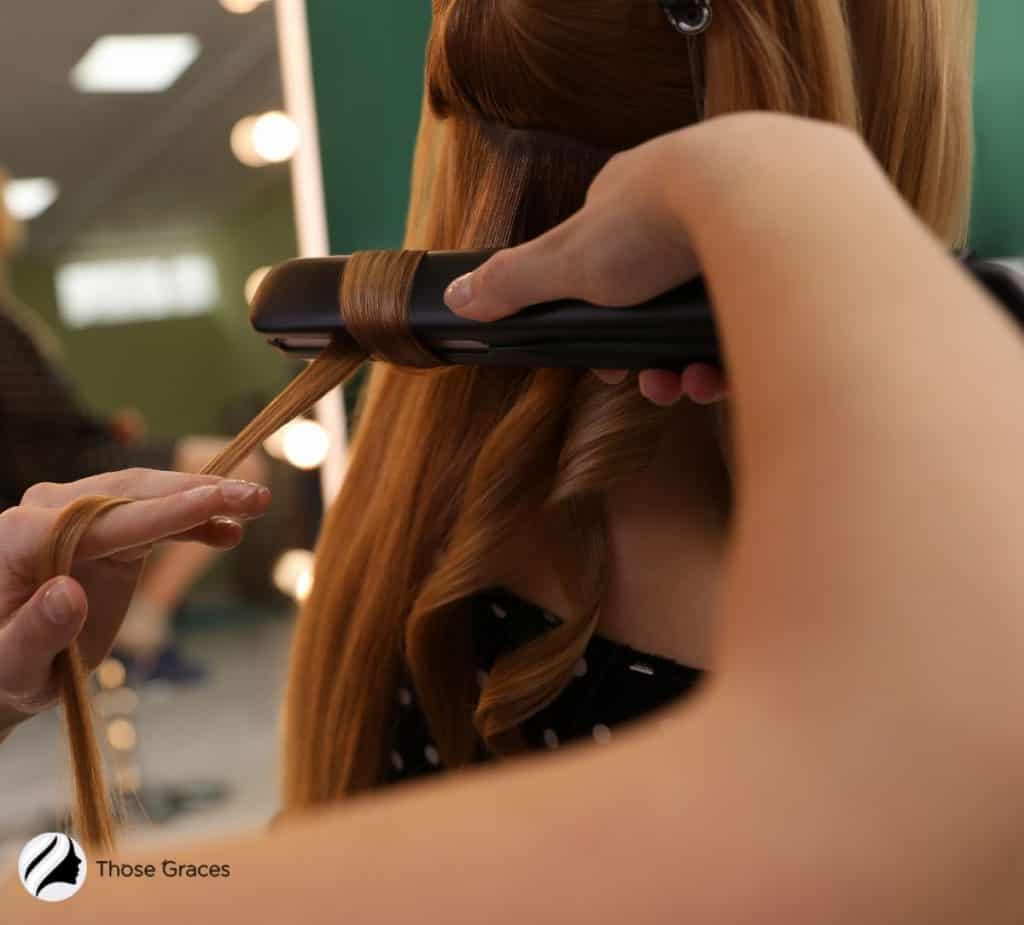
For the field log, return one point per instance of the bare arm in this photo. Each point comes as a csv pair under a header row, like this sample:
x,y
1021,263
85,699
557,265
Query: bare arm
x,y
855,758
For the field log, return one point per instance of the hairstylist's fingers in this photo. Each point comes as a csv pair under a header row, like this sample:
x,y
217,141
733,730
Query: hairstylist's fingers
x,y
47,624
513,279
157,519
661,386
705,384
612,376
221,533
127,483
217,533
131,556
701,383
624,247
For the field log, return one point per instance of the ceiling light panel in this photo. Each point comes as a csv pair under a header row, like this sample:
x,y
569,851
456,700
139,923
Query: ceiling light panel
x,y
135,63
136,289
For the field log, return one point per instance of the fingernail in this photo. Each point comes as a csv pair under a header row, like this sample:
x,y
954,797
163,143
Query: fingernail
x,y
460,293
231,531
228,534
58,605
202,493
238,492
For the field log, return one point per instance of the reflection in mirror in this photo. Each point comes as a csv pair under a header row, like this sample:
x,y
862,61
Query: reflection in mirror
x,y
147,156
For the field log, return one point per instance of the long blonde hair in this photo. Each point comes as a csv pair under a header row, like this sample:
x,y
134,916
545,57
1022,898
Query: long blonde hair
x,y
525,101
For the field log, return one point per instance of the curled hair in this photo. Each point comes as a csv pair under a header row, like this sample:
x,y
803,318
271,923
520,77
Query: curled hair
x,y
525,100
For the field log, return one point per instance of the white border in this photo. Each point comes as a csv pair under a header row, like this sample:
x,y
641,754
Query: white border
x,y
310,204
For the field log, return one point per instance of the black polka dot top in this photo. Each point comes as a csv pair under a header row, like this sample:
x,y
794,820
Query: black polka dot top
x,y
612,684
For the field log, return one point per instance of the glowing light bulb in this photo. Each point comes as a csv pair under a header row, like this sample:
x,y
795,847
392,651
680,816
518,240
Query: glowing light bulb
x,y
28,199
270,138
306,444
241,7
111,673
303,443
293,573
275,137
121,735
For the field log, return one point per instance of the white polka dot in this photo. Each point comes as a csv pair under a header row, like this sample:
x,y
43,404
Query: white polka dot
x,y
641,668
602,734
396,761
481,678
581,668
499,611
404,696
432,755
551,738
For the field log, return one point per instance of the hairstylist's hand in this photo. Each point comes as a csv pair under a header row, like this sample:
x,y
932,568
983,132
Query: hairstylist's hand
x,y
624,247
37,622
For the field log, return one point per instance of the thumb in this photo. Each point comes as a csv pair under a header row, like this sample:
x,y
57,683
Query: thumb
x,y
513,279
46,625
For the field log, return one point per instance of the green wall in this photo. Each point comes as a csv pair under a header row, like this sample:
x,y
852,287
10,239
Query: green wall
x,y
180,373
368,60
998,227
368,79
368,72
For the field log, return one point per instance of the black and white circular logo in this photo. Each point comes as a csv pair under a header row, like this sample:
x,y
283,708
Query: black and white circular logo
x,y
52,867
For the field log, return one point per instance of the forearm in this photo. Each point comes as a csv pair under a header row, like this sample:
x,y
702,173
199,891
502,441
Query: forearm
x,y
714,817
873,595
626,833
864,309
878,406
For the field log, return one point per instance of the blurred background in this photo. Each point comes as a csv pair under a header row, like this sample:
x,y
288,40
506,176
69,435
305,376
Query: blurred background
x,y
159,158
149,163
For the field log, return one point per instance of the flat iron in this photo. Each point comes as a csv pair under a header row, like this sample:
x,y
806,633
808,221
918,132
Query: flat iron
x,y
297,310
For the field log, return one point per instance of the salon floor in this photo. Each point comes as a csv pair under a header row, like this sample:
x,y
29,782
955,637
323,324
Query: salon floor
x,y
208,754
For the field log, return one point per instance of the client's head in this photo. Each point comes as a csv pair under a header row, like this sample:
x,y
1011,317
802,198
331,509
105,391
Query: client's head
x,y
613,73
525,101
